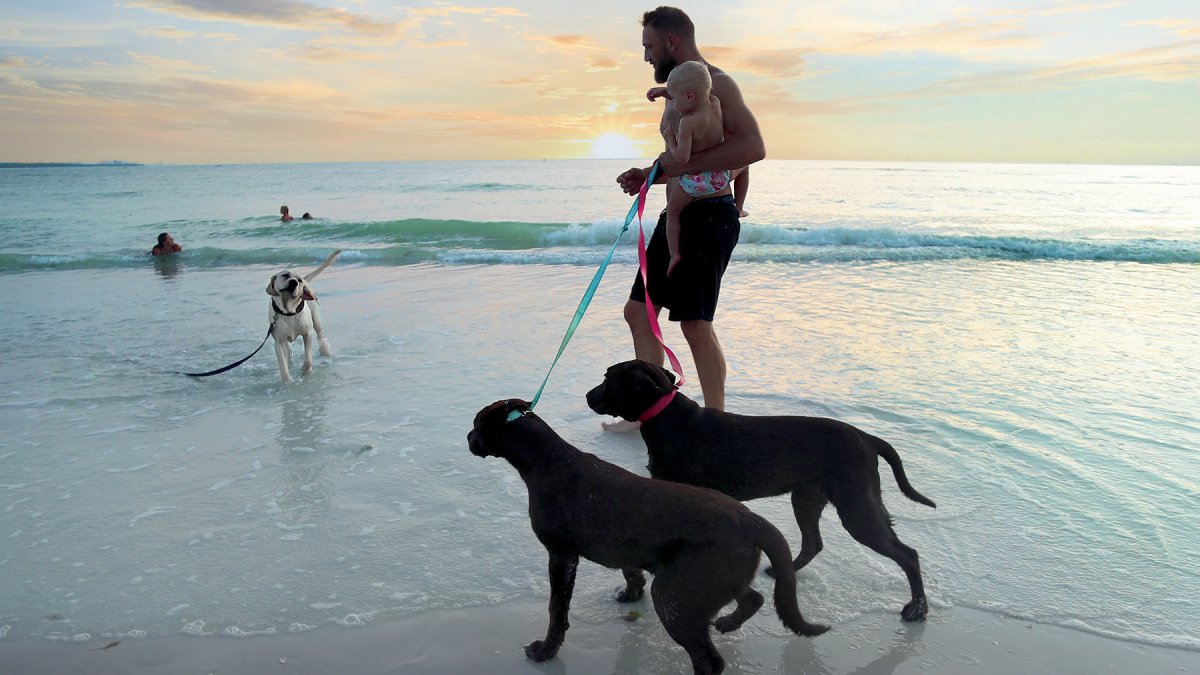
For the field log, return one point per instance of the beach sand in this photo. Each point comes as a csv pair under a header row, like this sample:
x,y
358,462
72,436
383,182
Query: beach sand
x,y
490,639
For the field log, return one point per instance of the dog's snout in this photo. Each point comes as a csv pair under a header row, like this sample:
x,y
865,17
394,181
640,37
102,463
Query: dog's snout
x,y
595,398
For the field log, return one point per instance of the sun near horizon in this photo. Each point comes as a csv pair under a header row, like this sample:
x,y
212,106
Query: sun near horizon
x,y
612,145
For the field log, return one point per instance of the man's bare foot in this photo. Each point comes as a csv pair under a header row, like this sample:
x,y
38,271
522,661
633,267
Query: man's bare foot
x,y
621,426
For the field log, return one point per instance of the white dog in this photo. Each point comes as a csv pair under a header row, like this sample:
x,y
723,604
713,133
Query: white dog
x,y
293,314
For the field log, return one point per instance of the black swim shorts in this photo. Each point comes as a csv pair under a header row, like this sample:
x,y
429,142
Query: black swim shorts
x,y
709,231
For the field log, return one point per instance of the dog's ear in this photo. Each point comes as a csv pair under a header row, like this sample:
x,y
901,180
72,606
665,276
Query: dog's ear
x,y
271,286
308,294
516,404
667,374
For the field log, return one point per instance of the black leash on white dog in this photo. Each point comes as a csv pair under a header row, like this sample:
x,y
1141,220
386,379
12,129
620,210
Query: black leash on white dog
x,y
235,364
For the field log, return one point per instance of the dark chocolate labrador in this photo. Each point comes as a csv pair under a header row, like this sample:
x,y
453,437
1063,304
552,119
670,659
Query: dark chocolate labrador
x,y
818,460
701,546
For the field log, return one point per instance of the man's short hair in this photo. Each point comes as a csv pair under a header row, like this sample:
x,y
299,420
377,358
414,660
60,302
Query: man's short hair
x,y
670,20
692,75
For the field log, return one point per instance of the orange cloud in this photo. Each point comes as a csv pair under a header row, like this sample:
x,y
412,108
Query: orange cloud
x,y
567,43
773,63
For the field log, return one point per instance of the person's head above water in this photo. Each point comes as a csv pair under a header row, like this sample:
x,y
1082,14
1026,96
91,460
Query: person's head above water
x,y
166,244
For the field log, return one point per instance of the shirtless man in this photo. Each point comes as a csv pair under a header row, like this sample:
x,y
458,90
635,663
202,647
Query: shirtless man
x,y
709,227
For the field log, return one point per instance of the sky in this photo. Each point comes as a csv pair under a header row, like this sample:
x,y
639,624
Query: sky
x,y
262,81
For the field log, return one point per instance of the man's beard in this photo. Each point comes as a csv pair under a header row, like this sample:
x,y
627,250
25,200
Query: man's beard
x,y
663,68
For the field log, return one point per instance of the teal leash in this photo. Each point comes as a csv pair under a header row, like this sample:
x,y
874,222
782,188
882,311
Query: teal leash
x,y
634,210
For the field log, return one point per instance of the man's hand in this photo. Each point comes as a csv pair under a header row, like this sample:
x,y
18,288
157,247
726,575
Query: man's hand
x,y
668,167
631,181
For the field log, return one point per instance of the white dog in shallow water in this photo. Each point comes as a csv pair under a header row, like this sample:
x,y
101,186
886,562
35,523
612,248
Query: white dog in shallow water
x,y
293,314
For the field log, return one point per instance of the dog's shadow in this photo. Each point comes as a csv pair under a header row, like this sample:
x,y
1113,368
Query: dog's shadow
x,y
304,443
801,657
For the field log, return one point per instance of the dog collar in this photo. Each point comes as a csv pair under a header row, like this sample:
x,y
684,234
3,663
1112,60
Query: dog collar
x,y
658,407
299,308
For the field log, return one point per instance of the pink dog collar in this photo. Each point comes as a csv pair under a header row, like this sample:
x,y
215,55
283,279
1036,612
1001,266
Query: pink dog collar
x,y
659,406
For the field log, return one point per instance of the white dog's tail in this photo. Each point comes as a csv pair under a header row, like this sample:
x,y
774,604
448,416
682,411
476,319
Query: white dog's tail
x,y
328,261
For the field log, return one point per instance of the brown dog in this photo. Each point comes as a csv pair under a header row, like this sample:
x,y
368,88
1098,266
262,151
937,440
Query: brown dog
x,y
701,546
818,460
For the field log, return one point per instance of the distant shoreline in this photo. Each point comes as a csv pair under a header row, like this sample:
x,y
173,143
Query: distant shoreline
x,y
55,165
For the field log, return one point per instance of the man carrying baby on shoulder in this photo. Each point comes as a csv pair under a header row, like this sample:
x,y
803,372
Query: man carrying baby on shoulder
x,y
711,138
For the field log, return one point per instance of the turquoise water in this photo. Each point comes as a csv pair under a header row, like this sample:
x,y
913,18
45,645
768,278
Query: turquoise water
x,y
1024,335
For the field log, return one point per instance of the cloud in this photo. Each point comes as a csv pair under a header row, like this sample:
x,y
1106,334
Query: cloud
x,y
8,64
449,10
566,43
773,63
1174,62
963,36
583,46
317,53
1063,7
160,64
173,33
602,63
1179,26
292,14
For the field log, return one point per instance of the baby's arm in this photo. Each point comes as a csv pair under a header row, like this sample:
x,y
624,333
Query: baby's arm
x,y
657,92
680,144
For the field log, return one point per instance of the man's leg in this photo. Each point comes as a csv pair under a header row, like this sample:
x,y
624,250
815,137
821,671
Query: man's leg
x,y
710,360
645,346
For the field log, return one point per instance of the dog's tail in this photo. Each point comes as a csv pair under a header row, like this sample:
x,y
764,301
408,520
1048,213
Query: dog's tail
x,y
328,261
889,454
767,538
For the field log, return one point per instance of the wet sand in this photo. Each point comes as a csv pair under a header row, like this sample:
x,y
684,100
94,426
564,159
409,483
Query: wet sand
x,y
490,639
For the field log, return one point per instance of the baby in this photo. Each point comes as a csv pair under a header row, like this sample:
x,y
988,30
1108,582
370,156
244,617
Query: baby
x,y
689,89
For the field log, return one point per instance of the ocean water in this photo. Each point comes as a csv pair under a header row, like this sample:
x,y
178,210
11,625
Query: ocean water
x,y
1024,335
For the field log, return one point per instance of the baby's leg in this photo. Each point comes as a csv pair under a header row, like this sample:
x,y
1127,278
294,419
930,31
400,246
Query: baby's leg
x,y
677,200
741,183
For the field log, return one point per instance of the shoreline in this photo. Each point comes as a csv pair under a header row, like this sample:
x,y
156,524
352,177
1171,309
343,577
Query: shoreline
x,y
491,639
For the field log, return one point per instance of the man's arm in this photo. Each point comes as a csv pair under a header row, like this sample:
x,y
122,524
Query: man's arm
x,y
743,144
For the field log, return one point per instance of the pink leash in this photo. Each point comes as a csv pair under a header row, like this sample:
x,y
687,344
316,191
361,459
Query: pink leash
x,y
650,313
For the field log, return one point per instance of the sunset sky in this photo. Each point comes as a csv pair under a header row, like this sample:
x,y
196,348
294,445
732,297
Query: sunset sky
x,y
252,81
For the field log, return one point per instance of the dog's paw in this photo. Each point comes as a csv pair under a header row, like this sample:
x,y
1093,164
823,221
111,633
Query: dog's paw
x,y
916,610
540,651
813,629
727,624
630,594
